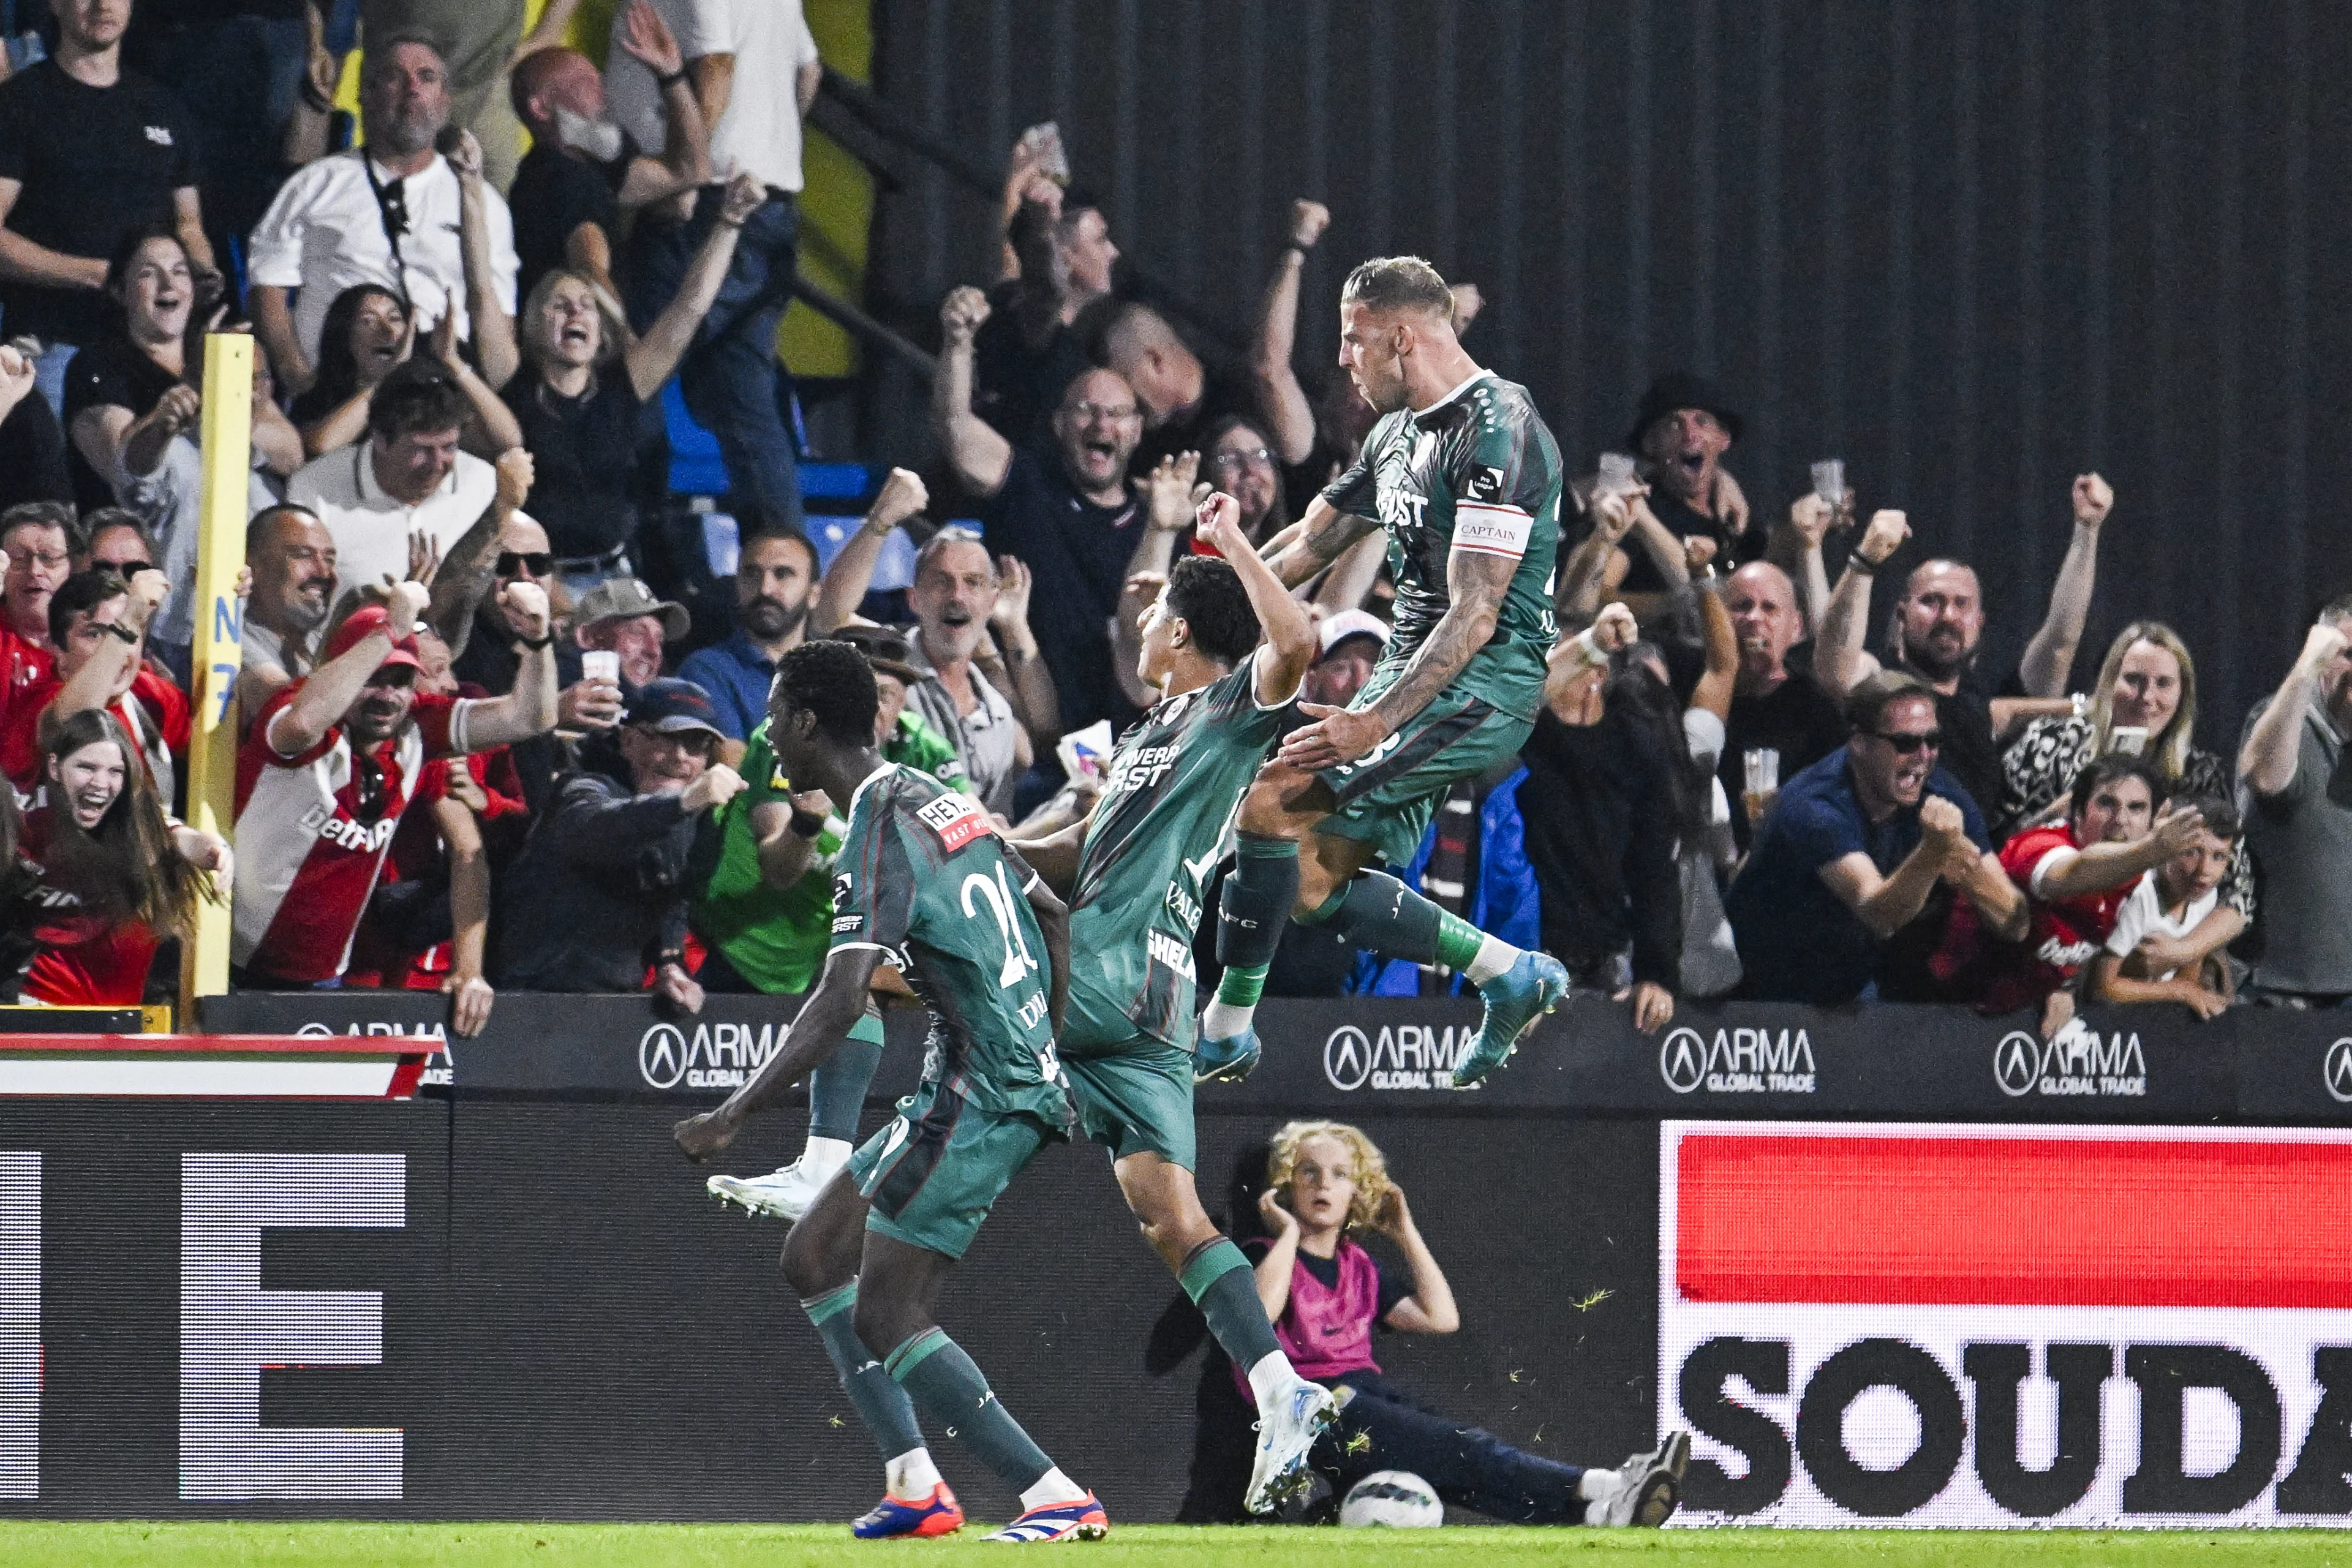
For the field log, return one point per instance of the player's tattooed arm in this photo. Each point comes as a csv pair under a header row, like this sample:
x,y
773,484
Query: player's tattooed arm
x,y
838,1002
1475,583
1324,535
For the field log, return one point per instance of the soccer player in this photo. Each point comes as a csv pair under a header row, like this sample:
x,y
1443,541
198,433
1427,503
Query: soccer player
x,y
1465,480
1133,871
923,883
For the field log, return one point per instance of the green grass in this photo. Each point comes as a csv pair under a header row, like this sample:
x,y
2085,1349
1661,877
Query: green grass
x,y
45,1545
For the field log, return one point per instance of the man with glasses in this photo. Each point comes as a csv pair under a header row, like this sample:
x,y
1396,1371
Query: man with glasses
x,y
331,763
41,539
1066,513
1853,856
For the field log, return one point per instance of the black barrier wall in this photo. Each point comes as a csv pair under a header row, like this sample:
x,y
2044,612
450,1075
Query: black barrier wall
x,y
543,1315
1356,1056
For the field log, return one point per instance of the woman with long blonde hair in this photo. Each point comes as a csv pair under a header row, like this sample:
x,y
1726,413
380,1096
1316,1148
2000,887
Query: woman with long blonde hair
x,y
2144,704
1327,1181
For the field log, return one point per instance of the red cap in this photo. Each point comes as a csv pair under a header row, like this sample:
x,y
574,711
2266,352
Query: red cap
x,y
362,623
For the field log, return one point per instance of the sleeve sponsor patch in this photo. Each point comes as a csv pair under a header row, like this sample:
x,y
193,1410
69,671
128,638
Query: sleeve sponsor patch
x,y
957,819
1492,530
841,893
1486,484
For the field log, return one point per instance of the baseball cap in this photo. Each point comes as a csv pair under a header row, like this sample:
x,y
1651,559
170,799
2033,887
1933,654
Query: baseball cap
x,y
885,648
623,598
671,705
358,626
1336,629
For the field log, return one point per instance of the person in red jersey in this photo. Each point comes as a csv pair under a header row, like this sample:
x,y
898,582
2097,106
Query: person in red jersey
x,y
112,875
2076,875
333,762
99,625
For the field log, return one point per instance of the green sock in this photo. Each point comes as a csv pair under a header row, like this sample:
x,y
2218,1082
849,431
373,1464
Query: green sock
x,y
1220,1282
878,1400
943,1380
838,1087
1458,941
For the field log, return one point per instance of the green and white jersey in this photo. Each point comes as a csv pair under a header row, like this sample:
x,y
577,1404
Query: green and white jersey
x,y
1168,793
923,878
1476,470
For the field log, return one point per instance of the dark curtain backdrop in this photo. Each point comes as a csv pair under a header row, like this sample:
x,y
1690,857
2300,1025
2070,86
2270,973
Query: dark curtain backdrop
x,y
1972,247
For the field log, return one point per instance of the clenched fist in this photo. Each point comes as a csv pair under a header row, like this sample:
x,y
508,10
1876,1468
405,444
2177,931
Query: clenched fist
x,y
1888,533
2094,499
1942,828
1307,221
718,784
962,313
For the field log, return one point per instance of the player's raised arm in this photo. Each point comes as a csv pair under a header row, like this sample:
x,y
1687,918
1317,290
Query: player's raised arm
x,y
1324,535
1289,634
839,1001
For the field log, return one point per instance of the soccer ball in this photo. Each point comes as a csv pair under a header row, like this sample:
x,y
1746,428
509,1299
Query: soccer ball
x,y
1398,1499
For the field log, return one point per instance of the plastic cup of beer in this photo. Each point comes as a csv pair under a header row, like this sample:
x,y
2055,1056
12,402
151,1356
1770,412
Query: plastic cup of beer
x,y
1763,769
600,664
1617,474
1829,481
2127,740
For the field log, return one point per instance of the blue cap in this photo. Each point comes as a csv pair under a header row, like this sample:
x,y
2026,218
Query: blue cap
x,y
670,705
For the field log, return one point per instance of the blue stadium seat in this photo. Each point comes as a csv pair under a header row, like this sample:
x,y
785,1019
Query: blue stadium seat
x,y
695,468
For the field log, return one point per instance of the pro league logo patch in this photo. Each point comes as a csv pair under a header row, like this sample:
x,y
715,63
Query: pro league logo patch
x,y
1486,485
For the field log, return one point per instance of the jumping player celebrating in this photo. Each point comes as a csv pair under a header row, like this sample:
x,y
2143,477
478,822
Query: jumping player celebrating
x,y
924,883
1133,871
1465,480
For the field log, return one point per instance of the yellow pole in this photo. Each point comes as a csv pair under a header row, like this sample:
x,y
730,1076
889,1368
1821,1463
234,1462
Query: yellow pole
x,y
227,432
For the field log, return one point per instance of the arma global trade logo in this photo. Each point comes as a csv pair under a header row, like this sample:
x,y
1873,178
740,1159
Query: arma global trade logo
x,y
716,1056
1405,1055
2335,1071
1738,1062
2077,1061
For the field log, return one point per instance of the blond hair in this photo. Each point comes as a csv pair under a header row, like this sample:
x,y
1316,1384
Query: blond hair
x,y
2167,752
1372,1173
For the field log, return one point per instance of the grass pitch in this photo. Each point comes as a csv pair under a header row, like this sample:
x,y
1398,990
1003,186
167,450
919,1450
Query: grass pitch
x,y
45,1545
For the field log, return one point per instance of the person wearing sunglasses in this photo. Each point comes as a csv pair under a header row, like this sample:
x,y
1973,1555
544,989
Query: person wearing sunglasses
x,y
1854,870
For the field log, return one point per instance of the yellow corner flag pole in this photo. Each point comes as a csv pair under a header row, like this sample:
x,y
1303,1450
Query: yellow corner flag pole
x,y
220,629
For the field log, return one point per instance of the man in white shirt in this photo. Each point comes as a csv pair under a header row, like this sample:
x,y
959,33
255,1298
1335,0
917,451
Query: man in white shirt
x,y
396,214
407,477
739,54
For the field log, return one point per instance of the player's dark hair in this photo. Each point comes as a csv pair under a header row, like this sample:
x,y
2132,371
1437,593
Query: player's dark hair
x,y
418,396
2220,813
1398,283
2112,768
1208,594
82,592
832,681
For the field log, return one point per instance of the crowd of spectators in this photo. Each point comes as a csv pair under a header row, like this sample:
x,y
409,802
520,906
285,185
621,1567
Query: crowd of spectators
x,y
486,741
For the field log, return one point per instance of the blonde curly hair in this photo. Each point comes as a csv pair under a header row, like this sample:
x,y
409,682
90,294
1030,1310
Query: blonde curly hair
x,y
1371,1174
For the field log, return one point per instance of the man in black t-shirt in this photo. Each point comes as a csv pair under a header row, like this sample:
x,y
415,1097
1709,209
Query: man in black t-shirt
x,y
89,152
1065,511
1776,703
1935,629
582,170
